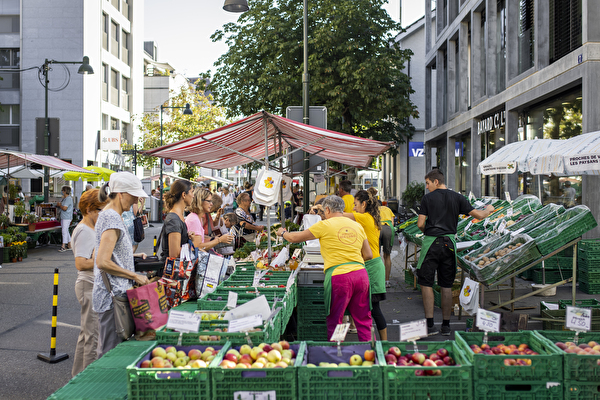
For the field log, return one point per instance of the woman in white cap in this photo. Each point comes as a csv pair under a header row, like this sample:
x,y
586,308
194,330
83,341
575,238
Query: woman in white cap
x,y
114,253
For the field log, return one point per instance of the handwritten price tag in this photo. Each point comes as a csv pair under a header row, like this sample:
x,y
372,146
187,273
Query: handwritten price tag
x,y
271,395
509,212
413,330
578,319
488,321
339,335
507,194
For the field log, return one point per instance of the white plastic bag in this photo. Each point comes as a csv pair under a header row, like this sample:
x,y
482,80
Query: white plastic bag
x,y
469,296
281,258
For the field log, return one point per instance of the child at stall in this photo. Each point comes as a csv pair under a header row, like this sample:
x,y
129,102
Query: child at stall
x,y
235,229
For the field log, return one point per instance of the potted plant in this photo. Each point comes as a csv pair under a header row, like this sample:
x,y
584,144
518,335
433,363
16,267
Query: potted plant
x,y
12,194
411,197
19,212
4,221
13,251
32,219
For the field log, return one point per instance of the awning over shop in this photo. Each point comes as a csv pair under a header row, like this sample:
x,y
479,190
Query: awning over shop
x,y
9,158
243,141
204,178
515,156
579,155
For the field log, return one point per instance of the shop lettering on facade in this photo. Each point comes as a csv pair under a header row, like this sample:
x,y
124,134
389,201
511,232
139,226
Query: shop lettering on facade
x,y
492,122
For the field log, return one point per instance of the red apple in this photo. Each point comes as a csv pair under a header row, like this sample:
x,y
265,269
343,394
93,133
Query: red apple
x,y
369,355
418,358
267,348
419,372
442,352
448,360
561,345
429,363
146,364
284,345
434,357
395,351
390,358
231,357
439,363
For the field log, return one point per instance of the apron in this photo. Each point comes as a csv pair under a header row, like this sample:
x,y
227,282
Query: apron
x,y
427,242
327,286
391,225
376,271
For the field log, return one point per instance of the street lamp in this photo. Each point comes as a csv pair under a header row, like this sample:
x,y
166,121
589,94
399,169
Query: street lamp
x,y
241,6
187,111
84,69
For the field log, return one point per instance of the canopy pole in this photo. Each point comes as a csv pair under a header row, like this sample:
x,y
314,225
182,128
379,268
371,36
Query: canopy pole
x,y
268,210
281,199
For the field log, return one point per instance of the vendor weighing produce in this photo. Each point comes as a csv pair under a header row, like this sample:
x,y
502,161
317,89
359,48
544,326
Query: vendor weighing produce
x,y
344,247
438,218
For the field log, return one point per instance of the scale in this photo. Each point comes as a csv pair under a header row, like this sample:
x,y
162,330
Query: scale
x,y
312,255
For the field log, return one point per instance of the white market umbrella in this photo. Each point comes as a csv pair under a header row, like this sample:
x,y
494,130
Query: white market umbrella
x,y
515,156
22,172
579,155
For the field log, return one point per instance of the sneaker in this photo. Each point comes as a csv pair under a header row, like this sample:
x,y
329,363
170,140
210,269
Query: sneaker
x,y
388,284
432,330
446,331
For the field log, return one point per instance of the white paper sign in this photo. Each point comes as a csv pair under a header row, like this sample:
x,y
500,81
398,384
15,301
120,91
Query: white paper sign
x,y
232,300
339,335
479,204
291,279
183,321
318,178
509,212
244,324
258,275
578,319
468,226
259,305
519,231
270,395
471,196
502,226
486,222
412,330
488,321
211,275
507,195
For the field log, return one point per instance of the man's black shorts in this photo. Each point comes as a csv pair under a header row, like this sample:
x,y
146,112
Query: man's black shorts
x,y
440,258
385,238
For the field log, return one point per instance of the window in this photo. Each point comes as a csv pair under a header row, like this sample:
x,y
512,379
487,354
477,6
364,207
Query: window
x,y
565,27
10,24
104,122
114,38
124,132
526,35
125,8
105,31
501,46
125,93
125,47
10,121
114,87
483,59
456,77
10,58
104,82
114,124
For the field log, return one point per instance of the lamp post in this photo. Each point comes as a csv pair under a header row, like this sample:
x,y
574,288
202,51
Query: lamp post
x,y
84,69
242,6
187,111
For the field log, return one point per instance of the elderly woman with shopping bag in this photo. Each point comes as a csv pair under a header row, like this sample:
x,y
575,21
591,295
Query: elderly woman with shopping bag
x,y
345,248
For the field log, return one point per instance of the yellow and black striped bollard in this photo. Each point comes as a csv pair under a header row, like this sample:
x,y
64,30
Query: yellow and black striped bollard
x,y
52,357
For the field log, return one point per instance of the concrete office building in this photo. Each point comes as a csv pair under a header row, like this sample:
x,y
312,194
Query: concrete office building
x,y
501,71
82,108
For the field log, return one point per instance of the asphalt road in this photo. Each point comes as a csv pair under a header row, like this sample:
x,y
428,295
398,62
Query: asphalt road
x,y
26,290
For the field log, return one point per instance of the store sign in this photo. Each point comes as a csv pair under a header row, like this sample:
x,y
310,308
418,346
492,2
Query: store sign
x,y
110,140
492,122
417,149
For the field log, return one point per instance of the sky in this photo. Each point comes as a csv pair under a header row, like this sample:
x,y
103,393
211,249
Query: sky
x,y
182,30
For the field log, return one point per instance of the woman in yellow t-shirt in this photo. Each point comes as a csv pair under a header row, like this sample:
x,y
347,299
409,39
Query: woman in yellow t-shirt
x,y
366,213
344,247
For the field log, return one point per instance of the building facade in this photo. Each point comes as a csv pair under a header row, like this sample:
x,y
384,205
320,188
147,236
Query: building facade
x,y
501,71
82,108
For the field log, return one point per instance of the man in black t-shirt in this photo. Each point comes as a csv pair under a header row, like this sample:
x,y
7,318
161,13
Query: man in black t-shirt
x,y
438,218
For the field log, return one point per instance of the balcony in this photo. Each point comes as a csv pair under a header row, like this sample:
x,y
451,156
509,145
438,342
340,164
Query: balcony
x,y
115,3
125,8
114,96
114,48
125,101
125,55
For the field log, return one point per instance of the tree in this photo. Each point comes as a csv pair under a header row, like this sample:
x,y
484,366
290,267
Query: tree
x,y
355,66
177,126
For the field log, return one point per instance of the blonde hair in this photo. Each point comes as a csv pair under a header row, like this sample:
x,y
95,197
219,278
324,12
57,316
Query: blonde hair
x,y
200,194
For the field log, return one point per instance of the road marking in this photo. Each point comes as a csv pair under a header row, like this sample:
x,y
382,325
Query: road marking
x,y
59,324
15,283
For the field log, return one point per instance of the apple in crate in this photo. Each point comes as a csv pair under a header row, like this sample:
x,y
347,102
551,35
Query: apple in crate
x,y
159,352
390,359
369,355
418,358
442,352
356,360
395,351
194,354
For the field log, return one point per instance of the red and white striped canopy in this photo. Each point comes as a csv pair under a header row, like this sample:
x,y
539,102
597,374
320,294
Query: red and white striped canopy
x,y
242,141
14,158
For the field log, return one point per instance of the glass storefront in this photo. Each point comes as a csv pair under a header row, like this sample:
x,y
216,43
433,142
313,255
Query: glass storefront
x,y
493,137
557,118
462,165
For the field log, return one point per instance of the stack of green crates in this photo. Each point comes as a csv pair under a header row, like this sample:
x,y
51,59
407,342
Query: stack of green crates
x,y
311,313
105,378
581,371
493,379
589,266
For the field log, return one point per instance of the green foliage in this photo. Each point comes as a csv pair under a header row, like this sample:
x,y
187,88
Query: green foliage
x,y
355,66
19,209
413,193
12,192
177,126
32,218
4,220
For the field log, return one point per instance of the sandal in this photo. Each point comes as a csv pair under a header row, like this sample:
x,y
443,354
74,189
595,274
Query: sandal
x,y
62,250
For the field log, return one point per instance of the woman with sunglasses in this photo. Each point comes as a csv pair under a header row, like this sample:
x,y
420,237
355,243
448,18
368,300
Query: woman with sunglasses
x,y
199,217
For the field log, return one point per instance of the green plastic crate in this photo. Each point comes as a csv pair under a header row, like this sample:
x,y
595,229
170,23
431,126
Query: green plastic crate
x,y
400,383
589,288
518,390
121,356
577,368
589,277
341,383
557,261
548,365
223,290
575,227
581,390
95,384
283,381
170,383
551,275
588,303
558,319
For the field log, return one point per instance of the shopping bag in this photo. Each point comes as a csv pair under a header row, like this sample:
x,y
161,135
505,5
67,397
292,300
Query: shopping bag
x,y
149,306
211,271
179,276
469,296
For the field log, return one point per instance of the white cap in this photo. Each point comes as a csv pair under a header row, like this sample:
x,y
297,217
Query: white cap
x,y
126,182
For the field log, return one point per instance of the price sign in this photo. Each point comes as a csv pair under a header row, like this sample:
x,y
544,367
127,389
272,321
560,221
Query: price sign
x,y
258,275
414,329
291,280
339,335
244,324
488,321
183,321
502,227
479,204
578,319
486,221
232,300
509,212
507,195
270,395
468,226
519,231
471,196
